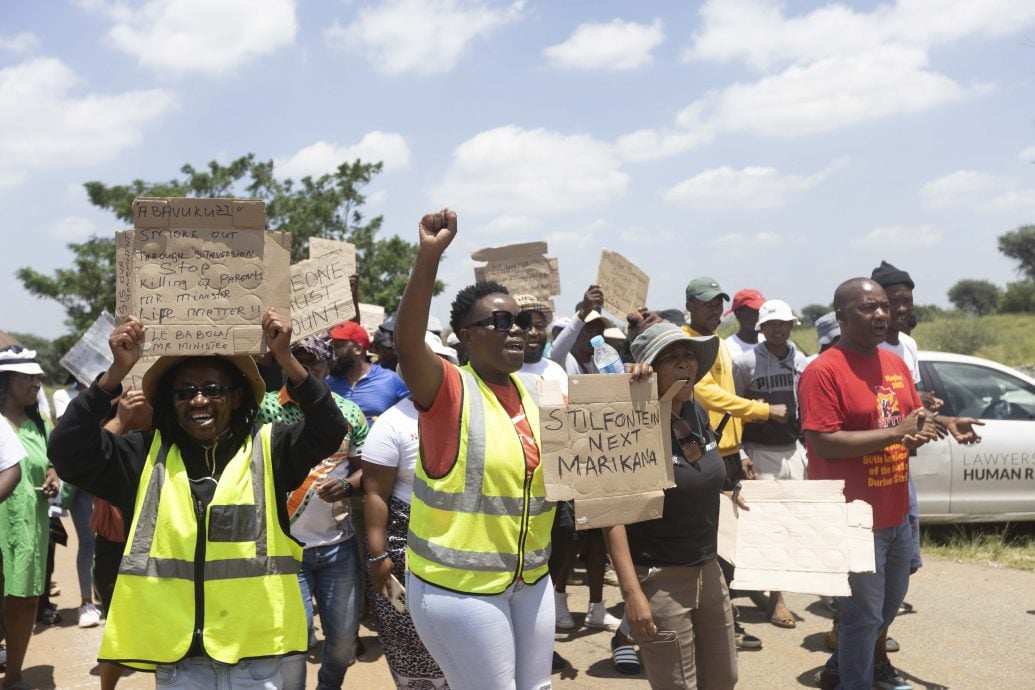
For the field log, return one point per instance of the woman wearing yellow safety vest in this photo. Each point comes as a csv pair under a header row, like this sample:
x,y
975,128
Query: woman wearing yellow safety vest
x,y
207,594
477,585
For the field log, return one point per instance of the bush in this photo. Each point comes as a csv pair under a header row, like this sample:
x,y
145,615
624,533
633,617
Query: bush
x,y
975,296
811,312
964,336
1019,298
928,312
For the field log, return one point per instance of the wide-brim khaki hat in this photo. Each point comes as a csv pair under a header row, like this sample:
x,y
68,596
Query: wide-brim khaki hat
x,y
648,345
243,363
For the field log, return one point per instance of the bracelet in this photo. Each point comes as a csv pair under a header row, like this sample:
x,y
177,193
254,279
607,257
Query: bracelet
x,y
346,487
378,559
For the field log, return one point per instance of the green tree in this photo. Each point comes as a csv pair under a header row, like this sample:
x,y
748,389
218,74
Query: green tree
x,y
85,290
811,312
1018,298
327,206
975,296
1019,245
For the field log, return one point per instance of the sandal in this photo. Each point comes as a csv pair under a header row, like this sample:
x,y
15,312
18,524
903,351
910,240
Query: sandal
x,y
784,620
625,658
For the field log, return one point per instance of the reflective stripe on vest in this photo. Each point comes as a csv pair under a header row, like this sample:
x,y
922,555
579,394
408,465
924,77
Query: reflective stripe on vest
x,y
140,562
452,516
247,581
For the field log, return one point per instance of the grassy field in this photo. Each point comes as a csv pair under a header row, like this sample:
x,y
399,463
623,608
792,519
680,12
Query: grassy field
x,y
1005,338
1011,544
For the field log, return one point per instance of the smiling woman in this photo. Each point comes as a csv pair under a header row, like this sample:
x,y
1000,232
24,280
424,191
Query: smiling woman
x,y
478,544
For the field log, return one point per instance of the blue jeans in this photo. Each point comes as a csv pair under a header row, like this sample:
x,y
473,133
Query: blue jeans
x,y
82,509
330,573
202,673
872,607
496,642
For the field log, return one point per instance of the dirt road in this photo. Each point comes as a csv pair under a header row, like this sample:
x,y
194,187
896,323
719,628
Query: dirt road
x,y
973,627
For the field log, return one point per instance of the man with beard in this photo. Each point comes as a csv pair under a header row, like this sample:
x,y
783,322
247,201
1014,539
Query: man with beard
x,y
354,378
535,362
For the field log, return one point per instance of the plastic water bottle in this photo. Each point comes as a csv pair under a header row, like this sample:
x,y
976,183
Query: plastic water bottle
x,y
605,357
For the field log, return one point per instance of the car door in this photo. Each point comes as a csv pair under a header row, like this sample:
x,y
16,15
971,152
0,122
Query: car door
x,y
997,476
931,466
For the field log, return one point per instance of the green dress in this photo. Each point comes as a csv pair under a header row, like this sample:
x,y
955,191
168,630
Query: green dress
x,y
24,525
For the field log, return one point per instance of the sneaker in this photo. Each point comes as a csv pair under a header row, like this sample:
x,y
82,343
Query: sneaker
x,y
827,679
624,658
598,617
48,616
89,616
891,645
744,639
610,576
886,677
564,621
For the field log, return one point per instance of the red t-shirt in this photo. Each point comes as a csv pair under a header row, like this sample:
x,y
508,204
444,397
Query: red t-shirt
x,y
844,391
440,424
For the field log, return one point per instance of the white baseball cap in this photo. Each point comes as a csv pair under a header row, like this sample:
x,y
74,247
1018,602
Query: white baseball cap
x,y
775,310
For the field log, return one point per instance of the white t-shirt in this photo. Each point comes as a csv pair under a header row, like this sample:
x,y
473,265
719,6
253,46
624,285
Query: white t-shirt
x,y
550,370
736,345
62,398
908,351
392,442
11,450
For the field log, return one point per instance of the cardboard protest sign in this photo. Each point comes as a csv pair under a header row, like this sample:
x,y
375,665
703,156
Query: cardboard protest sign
x,y
799,536
321,296
135,378
91,355
608,448
524,269
200,273
318,246
624,285
371,316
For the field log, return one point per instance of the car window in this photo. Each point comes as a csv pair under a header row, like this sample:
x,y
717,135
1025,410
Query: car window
x,y
976,391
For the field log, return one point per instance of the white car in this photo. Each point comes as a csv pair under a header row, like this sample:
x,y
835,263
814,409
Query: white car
x,y
993,481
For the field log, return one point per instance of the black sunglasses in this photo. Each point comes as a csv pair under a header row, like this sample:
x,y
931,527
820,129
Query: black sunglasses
x,y
503,321
212,391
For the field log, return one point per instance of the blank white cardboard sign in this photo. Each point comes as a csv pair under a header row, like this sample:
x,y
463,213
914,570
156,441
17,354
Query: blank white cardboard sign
x,y
798,536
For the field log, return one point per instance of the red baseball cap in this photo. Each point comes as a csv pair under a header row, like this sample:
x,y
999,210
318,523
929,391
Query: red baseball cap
x,y
748,297
350,330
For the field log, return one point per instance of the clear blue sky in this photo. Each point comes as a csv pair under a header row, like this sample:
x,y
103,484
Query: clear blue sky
x,y
782,146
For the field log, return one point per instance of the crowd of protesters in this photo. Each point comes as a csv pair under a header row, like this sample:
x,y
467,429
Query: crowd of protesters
x,y
229,503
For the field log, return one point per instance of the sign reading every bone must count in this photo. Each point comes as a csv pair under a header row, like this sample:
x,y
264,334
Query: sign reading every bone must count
x,y
318,246
521,268
200,273
321,297
624,285
608,448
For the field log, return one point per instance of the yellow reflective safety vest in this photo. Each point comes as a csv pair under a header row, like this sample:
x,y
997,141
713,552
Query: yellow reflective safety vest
x,y
485,523
243,574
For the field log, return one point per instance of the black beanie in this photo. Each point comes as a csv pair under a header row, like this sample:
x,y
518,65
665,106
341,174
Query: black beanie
x,y
887,275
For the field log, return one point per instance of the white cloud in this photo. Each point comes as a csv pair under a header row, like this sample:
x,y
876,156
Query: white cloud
x,y
751,187
420,36
45,126
614,46
199,36
758,33
899,236
831,68
977,191
738,243
324,157
1027,155
73,229
514,171
377,198
570,239
22,42
510,224
807,99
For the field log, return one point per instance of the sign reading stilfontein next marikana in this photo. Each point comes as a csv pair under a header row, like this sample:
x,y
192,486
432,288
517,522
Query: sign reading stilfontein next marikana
x,y
608,448
200,273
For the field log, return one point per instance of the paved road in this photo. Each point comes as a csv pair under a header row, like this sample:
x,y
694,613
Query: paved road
x,y
973,627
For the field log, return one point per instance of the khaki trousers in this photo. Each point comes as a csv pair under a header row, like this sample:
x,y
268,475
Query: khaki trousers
x,y
693,603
